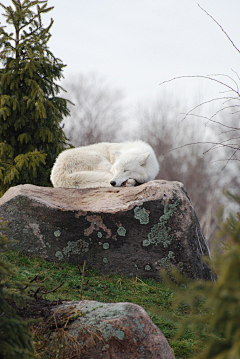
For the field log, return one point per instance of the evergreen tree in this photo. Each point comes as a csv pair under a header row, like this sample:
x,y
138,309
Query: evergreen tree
x,y
15,336
31,135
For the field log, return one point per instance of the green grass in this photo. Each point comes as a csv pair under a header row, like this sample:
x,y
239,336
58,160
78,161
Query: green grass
x,y
153,296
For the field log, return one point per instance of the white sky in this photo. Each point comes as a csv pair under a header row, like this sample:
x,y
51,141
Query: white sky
x,y
137,44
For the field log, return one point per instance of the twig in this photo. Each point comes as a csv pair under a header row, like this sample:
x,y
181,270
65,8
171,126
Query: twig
x,y
229,77
32,280
198,143
53,290
205,102
39,290
230,159
209,119
236,73
43,280
36,292
220,28
200,76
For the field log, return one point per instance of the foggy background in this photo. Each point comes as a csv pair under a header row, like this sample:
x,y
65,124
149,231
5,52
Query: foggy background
x,y
118,52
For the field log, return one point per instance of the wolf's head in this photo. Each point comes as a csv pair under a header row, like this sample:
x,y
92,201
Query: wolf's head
x,y
129,165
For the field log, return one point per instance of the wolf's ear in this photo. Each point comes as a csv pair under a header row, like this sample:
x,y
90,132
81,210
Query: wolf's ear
x,y
143,158
117,153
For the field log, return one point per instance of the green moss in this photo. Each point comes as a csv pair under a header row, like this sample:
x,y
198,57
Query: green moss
x,y
121,231
161,232
142,215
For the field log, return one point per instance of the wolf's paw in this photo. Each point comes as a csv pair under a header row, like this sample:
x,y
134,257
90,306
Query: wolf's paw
x,y
130,183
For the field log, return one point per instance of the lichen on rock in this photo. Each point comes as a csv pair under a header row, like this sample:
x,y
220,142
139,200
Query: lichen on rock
x,y
76,247
152,224
142,215
166,262
114,330
161,232
121,231
59,255
106,245
57,233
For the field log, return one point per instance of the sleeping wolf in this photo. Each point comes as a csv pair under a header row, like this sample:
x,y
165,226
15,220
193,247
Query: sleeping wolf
x,y
105,165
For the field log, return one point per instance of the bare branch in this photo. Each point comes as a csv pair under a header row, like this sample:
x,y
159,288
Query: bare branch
x,y
219,144
220,28
198,143
209,120
229,99
203,77
224,132
231,158
234,113
205,102
226,159
229,77
222,109
53,290
236,74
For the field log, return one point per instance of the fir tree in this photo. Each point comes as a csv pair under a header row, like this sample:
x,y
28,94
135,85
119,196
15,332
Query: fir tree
x,y
15,336
31,135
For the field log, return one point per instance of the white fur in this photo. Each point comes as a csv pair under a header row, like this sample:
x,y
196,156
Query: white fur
x,y
99,164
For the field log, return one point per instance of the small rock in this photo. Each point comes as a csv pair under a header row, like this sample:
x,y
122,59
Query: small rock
x,y
114,330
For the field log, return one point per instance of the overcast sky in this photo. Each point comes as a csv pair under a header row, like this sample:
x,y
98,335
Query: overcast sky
x,y
138,44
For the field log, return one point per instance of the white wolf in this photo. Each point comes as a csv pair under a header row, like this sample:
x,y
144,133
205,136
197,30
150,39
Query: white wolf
x,y
105,165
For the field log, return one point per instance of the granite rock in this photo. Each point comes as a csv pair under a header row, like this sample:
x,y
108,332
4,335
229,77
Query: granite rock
x,y
109,330
133,231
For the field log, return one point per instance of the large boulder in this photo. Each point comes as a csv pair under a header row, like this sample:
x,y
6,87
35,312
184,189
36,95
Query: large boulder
x,y
133,230
108,330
